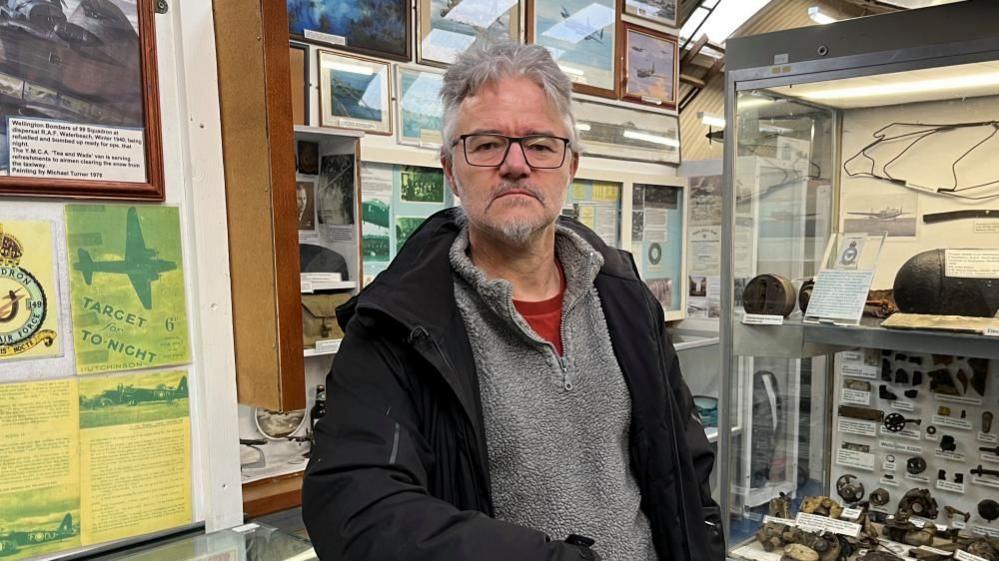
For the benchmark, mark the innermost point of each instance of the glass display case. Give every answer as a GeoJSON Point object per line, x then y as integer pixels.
{"type": "Point", "coordinates": [249, 542]}
{"type": "Point", "coordinates": [860, 266]}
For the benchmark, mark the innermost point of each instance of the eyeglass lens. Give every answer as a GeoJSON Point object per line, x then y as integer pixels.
{"type": "Point", "coordinates": [490, 150]}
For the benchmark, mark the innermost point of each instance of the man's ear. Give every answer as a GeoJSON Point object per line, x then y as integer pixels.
{"type": "Point", "coordinates": [573, 165]}
{"type": "Point", "coordinates": [446, 163]}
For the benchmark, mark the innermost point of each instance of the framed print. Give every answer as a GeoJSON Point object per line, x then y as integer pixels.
{"type": "Point", "coordinates": [448, 27]}
{"type": "Point", "coordinates": [663, 12]}
{"type": "Point", "coordinates": [370, 27]}
{"type": "Point", "coordinates": [79, 100]}
{"type": "Point", "coordinates": [651, 66]}
{"type": "Point", "coordinates": [354, 93]}
{"type": "Point", "coordinates": [610, 130]}
{"type": "Point", "coordinates": [581, 36]}
{"type": "Point", "coordinates": [419, 106]}
{"type": "Point", "coordinates": [298, 54]}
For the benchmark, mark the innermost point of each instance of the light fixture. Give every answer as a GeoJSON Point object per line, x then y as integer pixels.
{"type": "Point", "coordinates": [582, 127]}
{"type": "Point", "coordinates": [920, 86]}
{"type": "Point", "coordinates": [818, 17]}
{"type": "Point", "coordinates": [653, 138]}
{"type": "Point", "coordinates": [711, 120]}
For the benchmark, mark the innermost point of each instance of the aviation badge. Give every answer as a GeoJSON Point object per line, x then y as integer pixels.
{"type": "Point", "coordinates": [23, 303]}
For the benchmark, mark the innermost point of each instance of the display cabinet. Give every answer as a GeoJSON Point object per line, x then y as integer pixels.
{"type": "Point", "coordinates": [860, 275]}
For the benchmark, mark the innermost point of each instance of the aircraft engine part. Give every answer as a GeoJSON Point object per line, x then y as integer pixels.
{"type": "Point", "coordinates": [988, 509]}
{"type": "Point", "coordinates": [823, 506]}
{"type": "Point", "coordinates": [895, 422]}
{"type": "Point", "coordinates": [805, 294]}
{"type": "Point", "coordinates": [769, 294]}
{"type": "Point", "coordinates": [918, 502]}
{"type": "Point", "coordinates": [987, 422]}
{"type": "Point", "coordinates": [915, 465]}
{"type": "Point", "coordinates": [798, 552]}
{"type": "Point", "coordinates": [923, 287]}
{"type": "Point", "coordinates": [849, 488]}
{"type": "Point", "coordinates": [880, 496]}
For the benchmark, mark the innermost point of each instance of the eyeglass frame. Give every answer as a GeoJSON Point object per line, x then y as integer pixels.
{"type": "Point", "coordinates": [510, 142]}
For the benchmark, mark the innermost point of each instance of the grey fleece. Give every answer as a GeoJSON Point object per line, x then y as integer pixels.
{"type": "Point", "coordinates": [556, 430]}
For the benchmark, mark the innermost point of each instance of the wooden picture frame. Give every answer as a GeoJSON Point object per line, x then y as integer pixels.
{"type": "Point", "coordinates": [575, 39]}
{"type": "Point", "coordinates": [298, 54]}
{"type": "Point", "coordinates": [76, 112]}
{"type": "Point", "coordinates": [445, 28]}
{"type": "Point", "coordinates": [418, 111]}
{"type": "Point", "coordinates": [342, 101]}
{"type": "Point", "coordinates": [662, 12]}
{"type": "Point", "coordinates": [352, 25]}
{"type": "Point", "coordinates": [641, 50]}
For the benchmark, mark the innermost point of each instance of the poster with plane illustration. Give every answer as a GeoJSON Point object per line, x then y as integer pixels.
{"type": "Point", "coordinates": [580, 34]}
{"type": "Point", "coordinates": [126, 286]}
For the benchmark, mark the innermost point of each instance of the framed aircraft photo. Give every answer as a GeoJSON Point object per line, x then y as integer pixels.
{"type": "Point", "coordinates": [449, 27]}
{"type": "Point", "coordinates": [369, 27]}
{"type": "Point", "coordinates": [354, 93]}
{"type": "Point", "coordinates": [612, 129]}
{"type": "Point", "coordinates": [662, 12]}
{"type": "Point", "coordinates": [651, 66]}
{"type": "Point", "coordinates": [79, 100]}
{"type": "Point", "coordinates": [581, 36]}
{"type": "Point", "coordinates": [419, 106]}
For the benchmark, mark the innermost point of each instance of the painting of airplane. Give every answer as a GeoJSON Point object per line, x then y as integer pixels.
{"type": "Point", "coordinates": [887, 213]}
{"type": "Point", "coordinates": [647, 72]}
{"type": "Point", "coordinates": [587, 30]}
{"type": "Point", "coordinates": [12, 541]}
{"type": "Point", "coordinates": [140, 263]}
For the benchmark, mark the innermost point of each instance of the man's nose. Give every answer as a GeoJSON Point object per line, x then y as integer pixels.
{"type": "Point", "coordinates": [515, 166]}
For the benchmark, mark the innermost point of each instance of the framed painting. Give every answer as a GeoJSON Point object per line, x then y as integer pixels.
{"type": "Point", "coordinates": [651, 67]}
{"type": "Point", "coordinates": [419, 106]}
{"type": "Point", "coordinates": [369, 27]}
{"type": "Point", "coordinates": [663, 12]}
{"type": "Point", "coordinates": [80, 118]}
{"type": "Point", "coordinates": [448, 27]}
{"type": "Point", "coordinates": [354, 93]}
{"type": "Point", "coordinates": [613, 130]}
{"type": "Point", "coordinates": [298, 54]}
{"type": "Point", "coordinates": [581, 36]}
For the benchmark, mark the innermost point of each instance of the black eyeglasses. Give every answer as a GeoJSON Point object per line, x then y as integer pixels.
{"type": "Point", "coordinates": [490, 150]}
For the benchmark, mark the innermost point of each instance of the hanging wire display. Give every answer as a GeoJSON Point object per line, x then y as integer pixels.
{"type": "Point", "coordinates": [907, 141]}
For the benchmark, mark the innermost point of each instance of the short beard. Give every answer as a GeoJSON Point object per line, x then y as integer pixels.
{"type": "Point", "coordinates": [516, 233]}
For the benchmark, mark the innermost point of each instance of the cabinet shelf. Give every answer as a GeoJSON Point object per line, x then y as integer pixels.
{"type": "Point", "coordinates": [330, 348]}
{"type": "Point", "coordinates": [308, 287]}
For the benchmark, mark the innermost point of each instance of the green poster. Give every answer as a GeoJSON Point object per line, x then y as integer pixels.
{"type": "Point", "coordinates": [127, 285]}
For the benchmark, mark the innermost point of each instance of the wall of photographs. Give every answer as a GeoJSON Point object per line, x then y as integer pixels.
{"type": "Point", "coordinates": [369, 65]}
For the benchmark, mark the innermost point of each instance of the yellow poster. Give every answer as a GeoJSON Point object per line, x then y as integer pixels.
{"type": "Point", "coordinates": [39, 475]}
{"type": "Point", "coordinates": [29, 308]}
{"type": "Point", "coordinates": [606, 192]}
{"type": "Point", "coordinates": [135, 463]}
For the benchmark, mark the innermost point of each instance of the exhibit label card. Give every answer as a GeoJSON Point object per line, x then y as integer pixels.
{"type": "Point", "coordinates": [29, 304]}
{"type": "Point", "coordinates": [62, 150]}
{"type": "Point", "coordinates": [840, 295]}
{"type": "Point", "coordinates": [135, 464]}
{"type": "Point", "coordinates": [40, 483]}
{"type": "Point", "coordinates": [127, 285]}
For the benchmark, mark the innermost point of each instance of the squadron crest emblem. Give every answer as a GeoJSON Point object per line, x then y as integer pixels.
{"type": "Point", "coordinates": [23, 304]}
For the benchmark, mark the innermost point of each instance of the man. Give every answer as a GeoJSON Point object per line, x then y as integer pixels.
{"type": "Point", "coordinates": [506, 389]}
{"type": "Point", "coordinates": [305, 215]}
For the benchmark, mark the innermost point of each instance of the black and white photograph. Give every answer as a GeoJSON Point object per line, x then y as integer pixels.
{"type": "Point", "coordinates": [305, 203]}
{"type": "Point", "coordinates": [308, 157]}
{"type": "Point", "coordinates": [662, 289]}
{"type": "Point", "coordinates": [895, 214]}
{"type": "Point", "coordinates": [698, 286]}
{"type": "Point", "coordinates": [612, 131]}
{"type": "Point", "coordinates": [335, 199]}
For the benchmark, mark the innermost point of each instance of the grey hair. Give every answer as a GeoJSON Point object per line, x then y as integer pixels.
{"type": "Point", "coordinates": [487, 62]}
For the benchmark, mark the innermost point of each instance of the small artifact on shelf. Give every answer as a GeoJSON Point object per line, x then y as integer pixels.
{"type": "Point", "coordinates": [880, 304]}
{"type": "Point", "coordinates": [994, 450]}
{"type": "Point", "coordinates": [770, 535]}
{"type": "Point", "coordinates": [805, 294]}
{"type": "Point", "coordinates": [897, 528]}
{"type": "Point", "coordinates": [979, 374]}
{"type": "Point", "coordinates": [880, 496]}
{"type": "Point", "coordinates": [901, 376]}
{"type": "Point", "coordinates": [962, 377]}
{"type": "Point", "coordinates": [855, 384]}
{"type": "Point", "coordinates": [982, 547]}
{"type": "Point", "coordinates": [915, 465]}
{"type": "Point", "coordinates": [886, 394]}
{"type": "Point", "coordinates": [911, 394]}
{"type": "Point", "coordinates": [988, 509]}
{"type": "Point", "coordinates": [823, 506]}
{"type": "Point", "coordinates": [987, 422]}
{"type": "Point", "coordinates": [942, 383]}
{"type": "Point", "coordinates": [917, 378]}
{"type": "Point", "coordinates": [979, 471]}
{"type": "Point", "coordinates": [922, 286]}
{"type": "Point", "coordinates": [780, 506]}
{"type": "Point", "coordinates": [849, 488]}
{"type": "Point", "coordinates": [895, 422]}
{"type": "Point", "coordinates": [917, 502]}
{"type": "Point", "coordinates": [948, 443]}
{"type": "Point", "coordinates": [862, 413]}
{"type": "Point", "coordinates": [927, 555]}
{"type": "Point", "coordinates": [874, 555]}
{"type": "Point", "coordinates": [798, 552]}
{"type": "Point", "coordinates": [769, 294]}
{"type": "Point", "coordinates": [952, 512]}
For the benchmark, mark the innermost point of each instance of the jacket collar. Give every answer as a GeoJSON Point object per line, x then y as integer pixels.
{"type": "Point", "coordinates": [417, 289]}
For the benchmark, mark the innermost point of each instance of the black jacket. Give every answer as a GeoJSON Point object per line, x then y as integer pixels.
{"type": "Point", "coordinates": [399, 470]}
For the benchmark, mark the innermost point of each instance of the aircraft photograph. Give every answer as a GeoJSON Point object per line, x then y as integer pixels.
{"type": "Point", "coordinates": [580, 35]}
{"type": "Point", "coordinates": [140, 263]}
{"type": "Point", "coordinates": [876, 214]}
{"type": "Point", "coordinates": [644, 57]}
{"type": "Point", "coordinates": [33, 539]}
{"type": "Point", "coordinates": [137, 398]}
